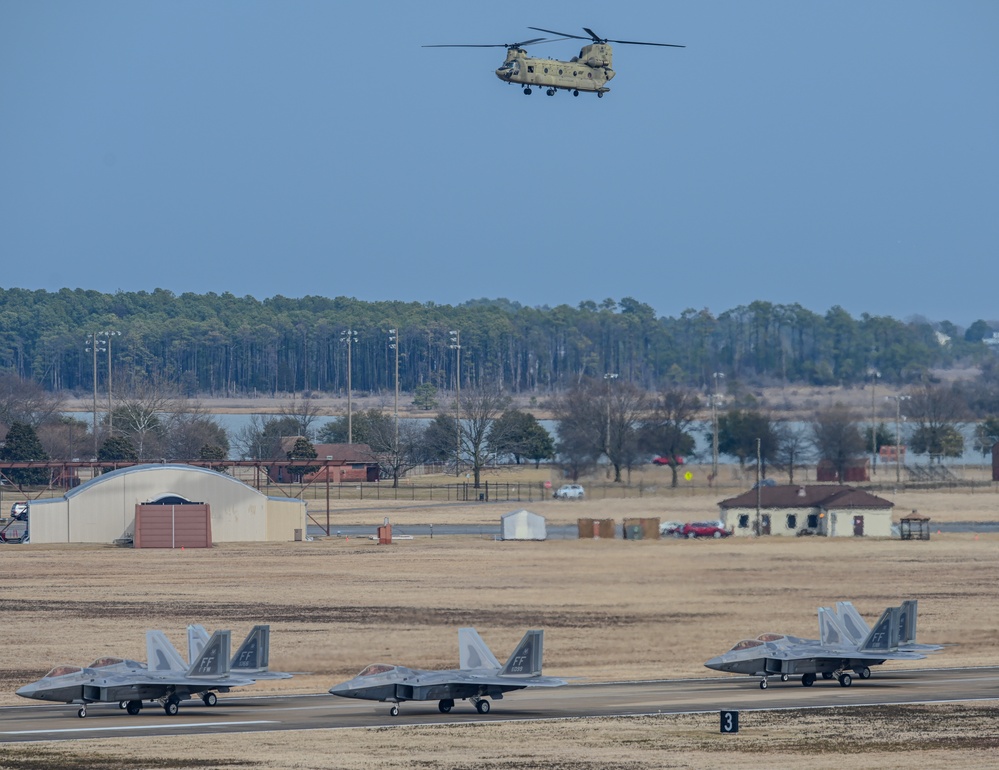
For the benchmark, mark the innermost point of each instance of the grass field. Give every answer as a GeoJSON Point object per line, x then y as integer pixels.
{"type": "Point", "coordinates": [611, 609]}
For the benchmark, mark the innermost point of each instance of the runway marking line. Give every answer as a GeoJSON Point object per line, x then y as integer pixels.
{"type": "Point", "coordinates": [159, 726]}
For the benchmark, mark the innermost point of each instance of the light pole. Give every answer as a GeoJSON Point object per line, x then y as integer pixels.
{"type": "Point", "coordinates": [714, 423]}
{"type": "Point", "coordinates": [95, 344]}
{"type": "Point", "coordinates": [456, 347]}
{"type": "Point", "coordinates": [108, 334]}
{"type": "Point", "coordinates": [394, 345]}
{"type": "Point", "coordinates": [349, 336]}
{"type": "Point", "coordinates": [898, 434]}
{"type": "Point", "coordinates": [607, 439]}
{"type": "Point", "coordinates": [875, 374]}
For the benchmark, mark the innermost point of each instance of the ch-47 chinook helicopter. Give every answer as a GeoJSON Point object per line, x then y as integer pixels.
{"type": "Point", "coordinates": [590, 71]}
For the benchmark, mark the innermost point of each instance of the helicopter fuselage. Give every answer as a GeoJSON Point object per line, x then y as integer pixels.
{"type": "Point", "coordinates": [590, 71]}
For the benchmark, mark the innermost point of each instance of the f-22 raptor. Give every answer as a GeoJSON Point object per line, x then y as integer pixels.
{"type": "Point", "coordinates": [166, 678]}
{"type": "Point", "coordinates": [479, 677]}
{"type": "Point", "coordinates": [837, 652]}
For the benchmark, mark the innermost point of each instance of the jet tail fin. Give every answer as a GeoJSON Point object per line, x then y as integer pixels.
{"type": "Point", "coordinates": [197, 638]}
{"type": "Point", "coordinates": [526, 657]}
{"type": "Point", "coordinates": [853, 622]}
{"type": "Point", "coordinates": [253, 654]}
{"type": "Point", "coordinates": [831, 632]}
{"type": "Point", "coordinates": [884, 635]}
{"type": "Point", "coordinates": [161, 655]}
{"type": "Point", "coordinates": [907, 622]}
{"type": "Point", "coordinates": [473, 652]}
{"type": "Point", "coordinates": [214, 658]}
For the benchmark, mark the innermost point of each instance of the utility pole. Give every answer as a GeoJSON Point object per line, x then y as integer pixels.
{"type": "Point", "coordinates": [898, 435]}
{"type": "Point", "coordinates": [456, 347]}
{"type": "Point", "coordinates": [759, 487]}
{"type": "Point", "coordinates": [108, 334]}
{"type": "Point", "coordinates": [714, 423]}
{"type": "Point", "coordinates": [607, 438]}
{"type": "Point", "coordinates": [875, 374]}
{"type": "Point", "coordinates": [95, 344]}
{"type": "Point", "coordinates": [394, 345]}
{"type": "Point", "coordinates": [349, 336]}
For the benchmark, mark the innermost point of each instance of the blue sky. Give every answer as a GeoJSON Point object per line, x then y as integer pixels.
{"type": "Point", "coordinates": [825, 153]}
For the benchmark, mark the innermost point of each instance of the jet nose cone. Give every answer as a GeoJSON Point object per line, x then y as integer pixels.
{"type": "Point", "coordinates": [715, 663]}
{"type": "Point", "coordinates": [340, 689]}
{"type": "Point", "coordinates": [26, 691]}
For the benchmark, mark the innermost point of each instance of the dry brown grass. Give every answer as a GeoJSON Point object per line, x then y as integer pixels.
{"type": "Point", "coordinates": [611, 609]}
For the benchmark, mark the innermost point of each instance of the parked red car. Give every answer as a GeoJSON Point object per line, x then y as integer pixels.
{"type": "Point", "coordinates": [665, 460]}
{"type": "Point", "coordinates": [704, 529]}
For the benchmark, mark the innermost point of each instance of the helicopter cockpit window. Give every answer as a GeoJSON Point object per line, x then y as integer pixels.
{"type": "Point", "coordinates": [512, 66]}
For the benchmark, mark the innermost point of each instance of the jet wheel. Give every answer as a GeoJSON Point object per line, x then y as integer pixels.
{"type": "Point", "coordinates": [82, 712]}
{"type": "Point", "coordinates": [171, 708]}
{"type": "Point", "coordinates": [445, 706]}
{"type": "Point", "coordinates": [763, 684]}
{"type": "Point", "coordinates": [845, 680]}
{"type": "Point", "coordinates": [807, 680]}
{"type": "Point", "coordinates": [210, 698]}
{"type": "Point", "coordinates": [784, 677]}
{"type": "Point", "coordinates": [394, 711]}
{"type": "Point", "coordinates": [482, 706]}
{"type": "Point", "coordinates": [864, 673]}
{"type": "Point", "coordinates": [122, 704]}
{"type": "Point", "coordinates": [133, 707]}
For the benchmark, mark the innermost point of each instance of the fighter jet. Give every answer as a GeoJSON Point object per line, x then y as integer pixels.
{"type": "Point", "coordinates": [782, 655]}
{"type": "Point", "coordinates": [115, 679]}
{"type": "Point", "coordinates": [251, 660]}
{"type": "Point", "coordinates": [479, 677]}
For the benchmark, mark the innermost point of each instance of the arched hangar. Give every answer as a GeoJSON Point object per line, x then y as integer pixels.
{"type": "Point", "coordinates": [104, 510]}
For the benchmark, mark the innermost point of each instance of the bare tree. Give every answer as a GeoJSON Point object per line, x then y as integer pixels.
{"type": "Point", "coordinates": [937, 413]}
{"type": "Point", "coordinates": [667, 429]}
{"type": "Point", "coordinates": [305, 413]}
{"type": "Point", "coordinates": [837, 437]}
{"type": "Point", "coordinates": [478, 409]}
{"type": "Point", "coordinates": [793, 448]}
{"type": "Point", "coordinates": [26, 401]}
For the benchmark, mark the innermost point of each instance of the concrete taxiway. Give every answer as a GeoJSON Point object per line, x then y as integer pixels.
{"type": "Point", "coordinates": [312, 712]}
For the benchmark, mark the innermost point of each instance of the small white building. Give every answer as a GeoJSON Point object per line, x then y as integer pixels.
{"type": "Point", "coordinates": [832, 510]}
{"type": "Point", "coordinates": [103, 510]}
{"type": "Point", "coordinates": [523, 525]}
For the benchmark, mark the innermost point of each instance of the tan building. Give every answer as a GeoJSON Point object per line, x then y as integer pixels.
{"type": "Point", "coordinates": [815, 509]}
{"type": "Point", "coordinates": [103, 510]}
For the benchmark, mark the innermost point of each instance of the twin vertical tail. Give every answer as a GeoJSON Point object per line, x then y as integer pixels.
{"type": "Point", "coordinates": [907, 621]}
{"type": "Point", "coordinates": [213, 661]}
{"type": "Point", "coordinates": [831, 631]}
{"type": "Point", "coordinates": [886, 632]}
{"type": "Point", "coordinates": [526, 658]}
{"type": "Point", "coordinates": [253, 655]}
{"type": "Point", "coordinates": [473, 652]}
{"type": "Point", "coordinates": [161, 655]}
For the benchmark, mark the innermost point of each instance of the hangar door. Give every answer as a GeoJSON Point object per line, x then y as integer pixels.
{"type": "Point", "coordinates": [173, 525]}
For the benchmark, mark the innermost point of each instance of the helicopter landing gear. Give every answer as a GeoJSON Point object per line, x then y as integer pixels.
{"type": "Point", "coordinates": [550, 92]}
{"type": "Point", "coordinates": [575, 92]}
{"type": "Point", "coordinates": [600, 94]}
{"type": "Point", "coordinates": [527, 91]}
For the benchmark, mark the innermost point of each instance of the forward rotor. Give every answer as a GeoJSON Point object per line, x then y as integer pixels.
{"type": "Point", "coordinates": [593, 36]}
{"type": "Point", "coordinates": [508, 46]}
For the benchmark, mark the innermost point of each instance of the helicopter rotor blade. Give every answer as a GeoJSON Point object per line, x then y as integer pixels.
{"type": "Point", "coordinates": [563, 34]}
{"type": "Point", "coordinates": [597, 39]}
{"type": "Point", "coordinates": [491, 45]}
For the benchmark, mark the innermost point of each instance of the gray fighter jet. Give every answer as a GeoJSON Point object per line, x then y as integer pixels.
{"type": "Point", "coordinates": [833, 656]}
{"type": "Point", "coordinates": [166, 678]}
{"type": "Point", "coordinates": [251, 660]}
{"type": "Point", "coordinates": [479, 677]}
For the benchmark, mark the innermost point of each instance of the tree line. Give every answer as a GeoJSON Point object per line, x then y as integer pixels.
{"type": "Point", "coordinates": [221, 345]}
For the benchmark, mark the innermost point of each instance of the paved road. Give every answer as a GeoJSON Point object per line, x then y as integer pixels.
{"type": "Point", "coordinates": [555, 532]}
{"type": "Point", "coordinates": [302, 712]}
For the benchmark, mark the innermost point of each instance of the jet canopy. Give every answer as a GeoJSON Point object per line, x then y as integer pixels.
{"type": "Point", "coordinates": [376, 668]}
{"type": "Point", "coordinates": [63, 671]}
{"type": "Point", "coordinates": [746, 644]}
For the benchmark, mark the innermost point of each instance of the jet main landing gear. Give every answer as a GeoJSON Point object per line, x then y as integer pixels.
{"type": "Point", "coordinates": [445, 706]}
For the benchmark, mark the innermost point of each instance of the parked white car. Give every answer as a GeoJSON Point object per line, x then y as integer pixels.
{"type": "Point", "coordinates": [670, 528]}
{"type": "Point", "coordinates": [569, 492]}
